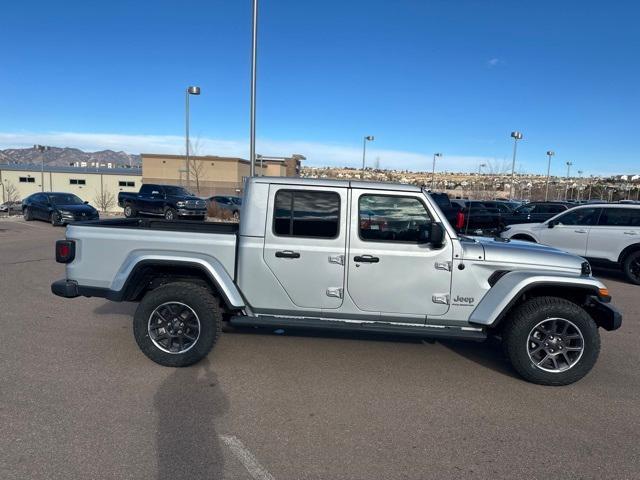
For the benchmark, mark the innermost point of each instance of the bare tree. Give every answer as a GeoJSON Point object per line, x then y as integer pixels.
{"type": "Point", "coordinates": [105, 200]}
{"type": "Point", "coordinates": [197, 168]}
{"type": "Point", "coordinates": [11, 192]}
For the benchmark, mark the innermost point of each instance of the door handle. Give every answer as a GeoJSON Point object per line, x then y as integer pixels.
{"type": "Point", "coordinates": [366, 259]}
{"type": "Point", "coordinates": [580, 231]}
{"type": "Point", "coordinates": [631, 233]}
{"type": "Point", "coordinates": [287, 254]}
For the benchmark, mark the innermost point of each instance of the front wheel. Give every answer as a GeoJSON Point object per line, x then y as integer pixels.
{"type": "Point", "coordinates": [631, 267]}
{"type": "Point", "coordinates": [551, 341]}
{"type": "Point", "coordinates": [177, 325]}
{"type": "Point", "coordinates": [129, 211]}
{"type": "Point", "coordinates": [55, 219]}
{"type": "Point", "coordinates": [170, 214]}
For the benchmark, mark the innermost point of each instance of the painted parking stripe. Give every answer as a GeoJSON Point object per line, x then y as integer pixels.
{"type": "Point", "coordinates": [257, 471]}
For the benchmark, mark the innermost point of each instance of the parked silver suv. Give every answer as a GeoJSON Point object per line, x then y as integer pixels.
{"type": "Point", "coordinates": [341, 255]}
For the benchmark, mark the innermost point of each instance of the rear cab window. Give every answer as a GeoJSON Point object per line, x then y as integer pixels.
{"type": "Point", "coordinates": [306, 213]}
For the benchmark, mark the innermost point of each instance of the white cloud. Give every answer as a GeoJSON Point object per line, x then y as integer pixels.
{"type": "Point", "coordinates": [494, 62]}
{"type": "Point", "coordinates": [317, 153]}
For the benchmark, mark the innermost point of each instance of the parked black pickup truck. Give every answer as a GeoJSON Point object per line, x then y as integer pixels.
{"type": "Point", "coordinates": [469, 216]}
{"type": "Point", "coordinates": [168, 201]}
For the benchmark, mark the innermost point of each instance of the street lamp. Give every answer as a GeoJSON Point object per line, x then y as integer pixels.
{"type": "Point", "coordinates": [433, 170]}
{"type": "Point", "coordinates": [190, 91]}
{"type": "Point", "coordinates": [368, 138]}
{"type": "Point", "coordinates": [41, 149]}
{"type": "Point", "coordinates": [516, 136]}
{"type": "Point", "coordinates": [550, 153]}
{"type": "Point", "coordinates": [480, 167]}
{"type": "Point", "coordinates": [252, 107]}
{"type": "Point", "coordinates": [579, 183]}
{"type": "Point", "coordinates": [566, 189]}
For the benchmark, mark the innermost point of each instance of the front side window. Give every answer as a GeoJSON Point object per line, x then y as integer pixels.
{"type": "Point", "coordinates": [579, 216]}
{"type": "Point", "coordinates": [64, 199]}
{"type": "Point", "coordinates": [620, 217]}
{"type": "Point", "coordinates": [524, 209]}
{"type": "Point", "coordinates": [304, 213]}
{"type": "Point", "coordinates": [388, 218]}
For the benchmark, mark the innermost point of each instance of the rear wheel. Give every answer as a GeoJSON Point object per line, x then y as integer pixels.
{"type": "Point", "coordinates": [236, 215]}
{"type": "Point", "coordinates": [551, 341]}
{"type": "Point", "coordinates": [176, 325]}
{"type": "Point", "coordinates": [631, 267]}
{"type": "Point", "coordinates": [170, 214]}
{"type": "Point", "coordinates": [27, 214]}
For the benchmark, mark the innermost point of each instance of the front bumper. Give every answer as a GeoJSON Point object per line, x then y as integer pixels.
{"type": "Point", "coordinates": [184, 212]}
{"type": "Point", "coordinates": [603, 313]}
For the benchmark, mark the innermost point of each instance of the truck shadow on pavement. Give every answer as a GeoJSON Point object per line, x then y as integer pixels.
{"type": "Point", "coordinates": [188, 404]}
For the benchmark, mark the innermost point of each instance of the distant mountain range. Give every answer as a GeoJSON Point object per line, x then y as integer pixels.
{"type": "Point", "coordinates": [64, 157]}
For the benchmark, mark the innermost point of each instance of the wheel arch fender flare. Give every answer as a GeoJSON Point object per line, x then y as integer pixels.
{"type": "Point", "coordinates": [504, 295]}
{"type": "Point", "coordinates": [208, 265]}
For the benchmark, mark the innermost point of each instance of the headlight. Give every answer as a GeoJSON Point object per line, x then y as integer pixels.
{"type": "Point", "coordinates": [65, 212]}
{"type": "Point", "coordinates": [181, 204]}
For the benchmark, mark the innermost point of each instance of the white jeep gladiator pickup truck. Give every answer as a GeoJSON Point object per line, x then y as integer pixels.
{"type": "Point", "coordinates": [341, 255]}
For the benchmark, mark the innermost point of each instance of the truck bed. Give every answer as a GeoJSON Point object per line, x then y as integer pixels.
{"type": "Point", "coordinates": [107, 250]}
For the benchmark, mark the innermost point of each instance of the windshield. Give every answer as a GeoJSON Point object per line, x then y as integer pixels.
{"type": "Point", "coordinates": [65, 199]}
{"type": "Point", "coordinates": [236, 200]}
{"type": "Point", "coordinates": [176, 191]}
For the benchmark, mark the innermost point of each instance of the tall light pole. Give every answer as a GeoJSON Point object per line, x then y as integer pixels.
{"type": "Point", "coordinates": [188, 92]}
{"type": "Point", "coordinates": [516, 136]}
{"type": "Point", "coordinates": [579, 184]}
{"type": "Point", "coordinates": [480, 167]}
{"type": "Point", "coordinates": [566, 189]}
{"type": "Point", "coordinates": [368, 138]}
{"type": "Point", "coordinates": [41, 149]}
{"type": "Point", "coordinates": [254, 67]}
{"type": "Point", "coordinates": [550, 153]}
{"type": "Point", "coordinates": [433, 170]}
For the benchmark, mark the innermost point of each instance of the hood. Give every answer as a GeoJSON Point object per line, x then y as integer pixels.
{"type": "Point", "coordinates": [528, 253]}
{"type": "Point", "coordinates": [76, 208]}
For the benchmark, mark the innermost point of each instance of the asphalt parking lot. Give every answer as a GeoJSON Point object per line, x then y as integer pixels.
{"type": "Point", "coordinates": [79, 400]}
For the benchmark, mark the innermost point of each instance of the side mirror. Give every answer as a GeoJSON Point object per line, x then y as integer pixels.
{"type": "Point", "coordinates": [551, 224]}
{"type": "Point", "coordinates": [434, 234]}
{"type": "Point", "coordinates": [85, 202]}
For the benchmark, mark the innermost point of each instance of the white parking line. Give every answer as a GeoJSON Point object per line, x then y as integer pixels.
{"type": "Point", "coordinates": [257, 471]}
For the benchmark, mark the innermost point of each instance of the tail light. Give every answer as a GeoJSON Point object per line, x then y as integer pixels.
{"type": "Point", "coordinates": [65, 251]}
{"type": "Point", "coordinates": [459, 221]}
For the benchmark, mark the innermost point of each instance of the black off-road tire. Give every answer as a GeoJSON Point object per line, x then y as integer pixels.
{"type": "Point", "coordinates": [170, 214]}
{"type": "Point", "coordinates": [524, 318]}
{"type": "Point", "coordinates": [129, 211]}
{"type": "Point", "coordinates": [27, 215]}
{"type": "Point", "coordinates": [201, 301]}
{"type": "Point", "coordinates": [631, 266]}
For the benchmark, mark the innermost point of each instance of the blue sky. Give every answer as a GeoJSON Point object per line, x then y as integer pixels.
{"type": "Point", "coordinates": [421, 76]}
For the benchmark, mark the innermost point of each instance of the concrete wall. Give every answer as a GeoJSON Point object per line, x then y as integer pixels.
{"type": "Point", "coordinates": [95, 184]}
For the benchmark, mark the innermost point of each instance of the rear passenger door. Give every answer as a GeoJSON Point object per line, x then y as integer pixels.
{"type": "Point", "coordinates": [305, 242]}
{"type": "Point", "coordinates": [617, 228]}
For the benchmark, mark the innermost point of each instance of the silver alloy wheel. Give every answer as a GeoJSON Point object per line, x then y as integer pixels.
{"type": "Point", "coordinates": [555, 345]}
{"type": "Point", "coordinates": [127, 211]}
{"type": "Point", "coordinates": [168, 215]}
{"type": "Point", "coordinates": [174, 327]}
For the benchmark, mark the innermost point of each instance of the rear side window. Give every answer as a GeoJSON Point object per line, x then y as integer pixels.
{"type": "Point", "coordinates": [147, 189]}
{"type": "Point", "coordinates": [304, 213]}
{"type": "Point", "coordinates": [387, 218]}
{"type": "Point", "coordinates": [620, 217]}
{"type": "Point", "coordinates": [556, 208]}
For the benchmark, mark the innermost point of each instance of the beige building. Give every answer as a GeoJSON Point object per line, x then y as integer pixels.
{"type": "Point", "coordinates": [212, 175]}
{"type": "Point", "coordinates": [98, 186]}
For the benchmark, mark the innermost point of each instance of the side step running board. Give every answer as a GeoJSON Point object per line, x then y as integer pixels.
{"type": "Point", "coordinates": [354, 325]}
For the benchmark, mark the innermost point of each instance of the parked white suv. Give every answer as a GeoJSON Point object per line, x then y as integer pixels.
{"type": "Point", "coordinates": [606, 234]}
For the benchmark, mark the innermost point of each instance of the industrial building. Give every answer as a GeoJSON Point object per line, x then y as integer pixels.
{"type": "Point", "coordinates": [212, 175]}
{"type": "Point", "coordinates": [98, 186]}
{"type": "Point", "coordinates": [208, 176]}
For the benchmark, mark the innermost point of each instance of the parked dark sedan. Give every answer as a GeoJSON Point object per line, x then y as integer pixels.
{"type": "Point", "coordinates": [535, 212]}
{"type": "Point", "coordinates": [57, 208]}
